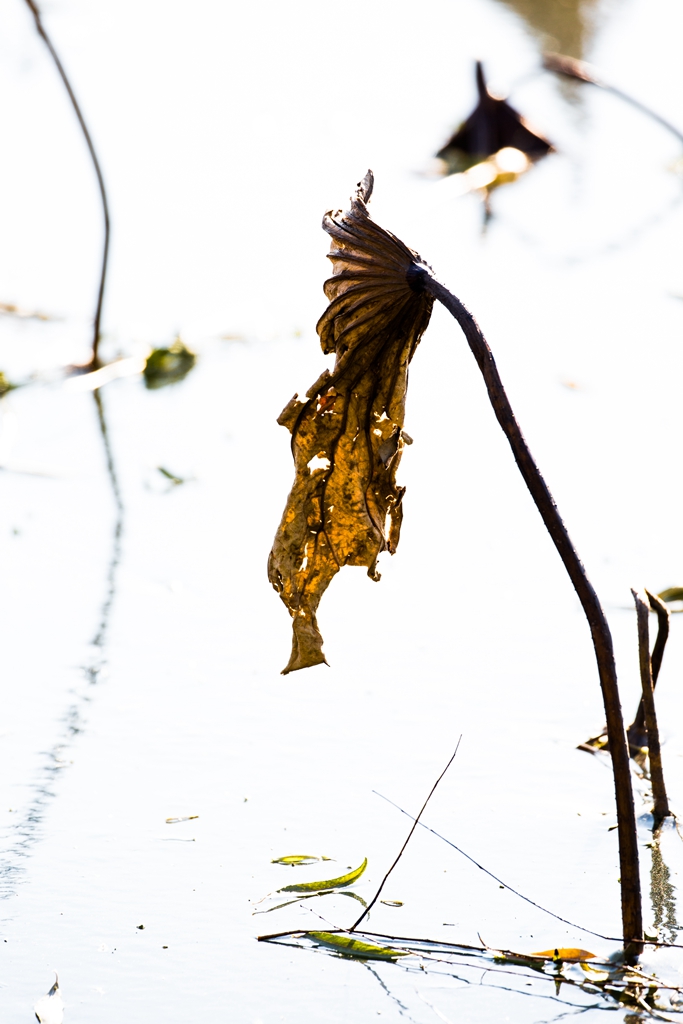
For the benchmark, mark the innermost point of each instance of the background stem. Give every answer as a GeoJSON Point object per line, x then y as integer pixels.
{"type": "Point", "coordinates": [631, 906]}
{"type": "Point", "coordinates": [661, 803]}
{"type": "Point", "coordinates": [94, 360]}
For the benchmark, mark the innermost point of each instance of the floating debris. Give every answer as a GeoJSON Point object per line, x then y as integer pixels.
{"type": "Point", "coordinates": [6, 385]}
{"type": "Point", "coordinates": [175, 480]}
{"type": "Point", "coordinates": [9, 309]}
{"type": "Point", "coordinates": [298, 859]}
{"type": "Point", "coordinates": [168, 365]}
{"type": "Point", "coordinates": [174, 821]}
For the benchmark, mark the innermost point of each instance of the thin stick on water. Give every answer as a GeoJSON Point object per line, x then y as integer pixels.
{"type": "Point", "coordinates": [661, 802]}
{"type": "Point", "coordinates": [636, 732]}
{"type": "Point", "coordinates": [501, 882]}
{"type": "Point", "coordinates": [400, 854]}
{"type": "Point", "coordinates": [583, 72]}
{"type": "Point", "coordinates": [95, 360]}
{"type": "Point", "coordinates": [420, 277]}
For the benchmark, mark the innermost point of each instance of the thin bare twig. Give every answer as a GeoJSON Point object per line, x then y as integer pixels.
{"type": "Point", "coordinates": [94, 361]}
{"type": "Point", "coordinates": [515, 892]}
{"type": "Point", "coordinates": [583, 72]}
{"type": "Point", "coordinates": [400, 854]}
{"type": "Point", "coordinates": [631, 904]}
{"type": "Point", "coordinates": [661, 803]}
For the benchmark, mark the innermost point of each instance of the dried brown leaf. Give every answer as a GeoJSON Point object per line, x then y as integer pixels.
{"type": "Point", "coordinates": [347, 435]}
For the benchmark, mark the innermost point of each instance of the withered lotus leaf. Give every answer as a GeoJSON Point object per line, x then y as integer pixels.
{"type": "Point", "coordinates": [347, 435]}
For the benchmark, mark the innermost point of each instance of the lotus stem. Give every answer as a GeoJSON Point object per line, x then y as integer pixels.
{"type": "Point", "coordinates": [94, 359]}
{"type": "Point", "coordinates": [631, 905]}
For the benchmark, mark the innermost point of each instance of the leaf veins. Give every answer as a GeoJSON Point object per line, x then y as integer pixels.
{"type": "Point", "coordinates": [347, 435]}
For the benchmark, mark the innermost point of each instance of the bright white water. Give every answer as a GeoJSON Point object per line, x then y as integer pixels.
{"type": "Point", "coordinates": [224, 133]}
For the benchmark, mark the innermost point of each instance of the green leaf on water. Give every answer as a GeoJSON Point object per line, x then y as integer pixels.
{"type": "Point", "coordinates": [297, 859]}
{"type": "Point", "coordinates": [671, 594]}
{"type": "Point", "coordinates": [348, 946]}
{"type": "Point", "coordinates": [329, 883]}
{"type": "Point", "coordinates": [168, 365]}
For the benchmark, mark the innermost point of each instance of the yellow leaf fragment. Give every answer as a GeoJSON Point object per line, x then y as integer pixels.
{"type": "Point", "coordinates": [298, 859]}
{"type": "Point", "coordinates": [347, 434]}
{"type": "Point", "coordinates": [347, 946]}
{"type": "Point", "coordinates": [330, 883]}
{"type": "Point", "coordinates": [569, 955]}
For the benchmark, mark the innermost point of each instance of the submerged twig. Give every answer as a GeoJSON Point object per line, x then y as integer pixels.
{"type": "Point", "coordinates": [636, 732]}
{"type": "Point", "coordinates": [400, 853]}
{"type": "Point", "coordinates": [94, 361]}
{"type": "Point", "coordinates": [583, 72]}
{"type": "Point", "coordinates": [661, 803]}
{"type": "Point", "coordinates": [421, 277]}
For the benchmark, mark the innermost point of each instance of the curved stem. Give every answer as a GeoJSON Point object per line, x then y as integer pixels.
{"type": "Point", "coordinates": [631, 906]}
{"type": "Point", "coordinates": [583, 72]}
{"type": "Point", "coordinates": [94, 361]}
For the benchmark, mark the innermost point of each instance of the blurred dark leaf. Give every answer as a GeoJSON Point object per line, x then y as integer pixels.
{"type": "Point", "coordinates": [347, 435]}
{"type": "Point", "coordinates": [494, 125]}
{"type": "Point", "coordinates": [168, 365]}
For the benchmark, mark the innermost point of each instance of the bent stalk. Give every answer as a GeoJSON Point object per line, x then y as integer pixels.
{"type": "Point", "coordinates": [631, 906]}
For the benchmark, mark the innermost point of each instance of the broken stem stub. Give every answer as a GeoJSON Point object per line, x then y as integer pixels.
{"type": "Point", "coordinates": [661, 802]}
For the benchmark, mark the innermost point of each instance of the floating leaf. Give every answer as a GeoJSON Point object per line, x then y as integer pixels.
{"type": "Point", "coordinates": [168, 365]}
{"type": "Point", "coordinates": [330, 883]}
{"type": "Point", "coordinates": [50, 1009]}
{"type": "Point", "coordinates": [347, 435]}
{"type": "Point", "coordinates": [392, 903]}
{"type": "Point", "coordinates": [671, 594]}
{"type": "Point", "coordinates": [570, 955]}
{"type": "Point", "coordinates": [296, 859]}
{"type": "Point", "coordinates": [348, 946]}
{"type": "Point", "coordinates": [175, 480]}
{"type": "Point", "coordinates": [174, 821]}
{"type": "Point", "coordinates": [494, 125]}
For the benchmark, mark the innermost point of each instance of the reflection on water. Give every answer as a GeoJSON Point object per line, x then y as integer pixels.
{"type": "Point", "coordinates": [27, 831]}
{"type": "Point", "coordinates": [662, 896]}
{"type": "Point", "coordinates": [565, 26]}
